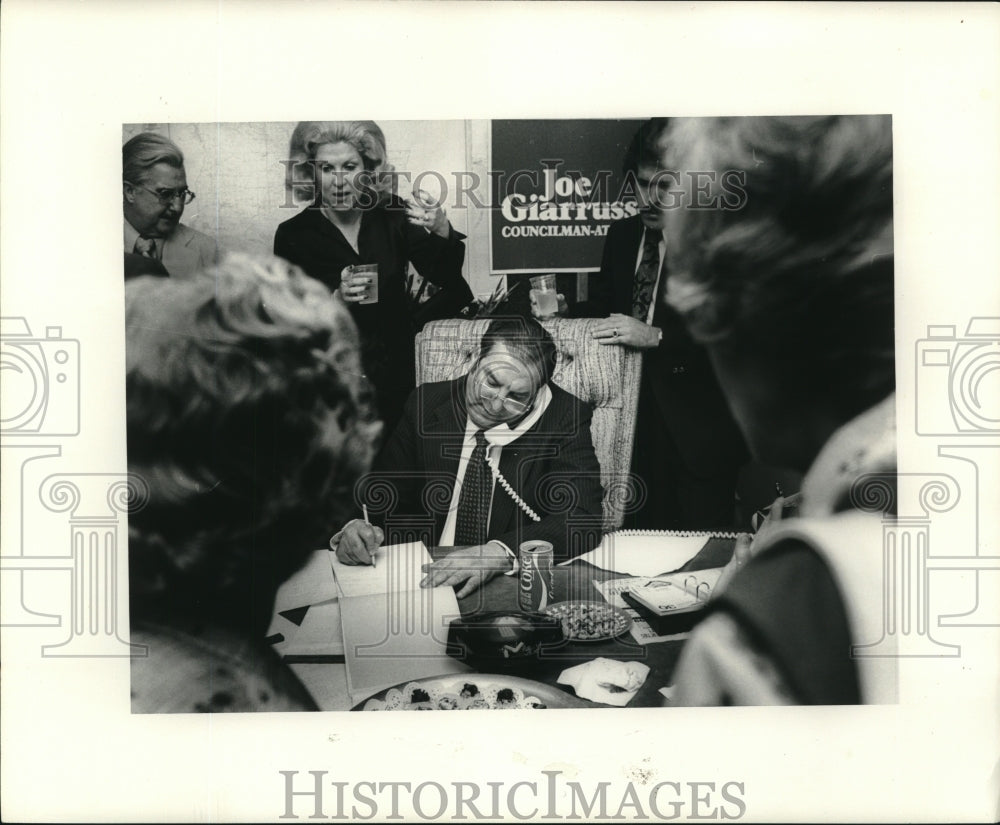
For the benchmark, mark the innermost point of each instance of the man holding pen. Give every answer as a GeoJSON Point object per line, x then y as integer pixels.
{"type": "Point", "coordinates": [483, 463]}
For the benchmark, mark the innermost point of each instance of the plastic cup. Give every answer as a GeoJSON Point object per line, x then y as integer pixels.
{"type": "Point", "coordinates": [544, 299]}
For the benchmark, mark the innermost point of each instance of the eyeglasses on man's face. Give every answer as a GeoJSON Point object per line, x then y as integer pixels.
{"type": "Point", "coordinates": [491, 393]}
{"type": "Point", "coordinates": [167, 196]}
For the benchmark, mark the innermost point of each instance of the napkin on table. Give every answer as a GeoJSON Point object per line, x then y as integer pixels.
{"type": "Point", "coordinates": [606, 680]}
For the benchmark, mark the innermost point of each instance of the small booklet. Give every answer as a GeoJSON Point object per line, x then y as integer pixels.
{"type": "Point", "coordinates": [672, 603]}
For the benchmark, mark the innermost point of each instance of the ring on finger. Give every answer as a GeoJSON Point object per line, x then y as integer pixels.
{"type": "Point", "coordinates": [614, 332]}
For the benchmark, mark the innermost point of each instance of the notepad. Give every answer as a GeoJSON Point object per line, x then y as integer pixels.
{"type": "Point", "coordinates": [394, 630]}
{"type": "Point", "coordinates": [398, 567]}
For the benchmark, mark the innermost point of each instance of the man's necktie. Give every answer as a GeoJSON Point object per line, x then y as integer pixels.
{"type": "Point", "coordinates": [474, 499]}
{"type": "Point", "coordinates": [145, 247]}
{"type": "Point", "coordinates": [645, 277]}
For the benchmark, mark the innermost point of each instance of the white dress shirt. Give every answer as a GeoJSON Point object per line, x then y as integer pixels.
{"type": "Point", "coordinates": [497, 438]}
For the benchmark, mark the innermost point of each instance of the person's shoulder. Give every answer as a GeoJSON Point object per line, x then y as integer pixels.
{"type": "Point", "coordinates": [188, 236]}
{"type": "Point", "coordinates": [631, 225]}
{"type": "Point", "coordinates": [563, 402]}
{"type": "Point", "coordinates": [210, 670]}
{"type": "Point", "coordinates": [434, 392]}
{"type": "Point", "coordinates": [432, 395]}
{"type": "Point", "coordinates": [301, 219]}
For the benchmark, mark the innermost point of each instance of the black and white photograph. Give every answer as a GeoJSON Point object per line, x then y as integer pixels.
{"type": "Point", "coordinates": [652, 402]}
{"type": "Point", "coordinates": [582, 469]}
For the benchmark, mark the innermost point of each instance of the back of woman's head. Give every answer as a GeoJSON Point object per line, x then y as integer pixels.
{"type": "Point", "coordinates": [364, 136]}
{"type": "Point", "coordinates": [248, 424]}
{"type": "Point", "coordinates": [791, 264]}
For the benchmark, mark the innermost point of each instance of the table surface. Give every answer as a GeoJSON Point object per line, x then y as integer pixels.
{"type": "Point", "coordinates": [573, 582]}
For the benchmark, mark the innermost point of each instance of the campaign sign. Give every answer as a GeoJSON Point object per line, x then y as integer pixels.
{"type": "Point", "coordinates": [557, 185]}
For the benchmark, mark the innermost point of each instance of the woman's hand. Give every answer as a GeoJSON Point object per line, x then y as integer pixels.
{"type": "Point", "coordinates": [351, 291]}
{"type": "Point", "coordinates": [357, 542]}
{"type": "Point", "coordinates": [424, 211]}
{"type": "Point", "coordinates": [470, 567]}
{"type": "Point", "coordinates": [624, 330]}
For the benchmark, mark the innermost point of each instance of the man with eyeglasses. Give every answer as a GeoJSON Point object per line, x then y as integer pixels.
{"type": "Point", "coordinates": [154, 194]}
{"type": "Point", "coordinates": [495, 458]}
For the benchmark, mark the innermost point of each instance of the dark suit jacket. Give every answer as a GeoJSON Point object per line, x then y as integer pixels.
{"type": "Point", "coordinates": [138, 265]}
{"type": "Point", "coordinates": [552, 467]}
{"type": "Point", "coordinates": [678, 372]}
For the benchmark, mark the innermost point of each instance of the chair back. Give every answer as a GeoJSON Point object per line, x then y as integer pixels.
{"type": "Point", "coordinates": [605, 377]}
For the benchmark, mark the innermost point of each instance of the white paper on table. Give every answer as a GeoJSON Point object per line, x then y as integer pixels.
{"type": "Point", "coordinates": [398, 567]}
{"type": "Point", "coordinates": [640, 630]}
{"type": "Point", "coordinates": [320, 633]}
{"type": "Point", "coordinates": [312, 584]}
{"type": "Point", "coordinates": [643, 555]}
{"type": "Point", "coordinates": [394, 630]}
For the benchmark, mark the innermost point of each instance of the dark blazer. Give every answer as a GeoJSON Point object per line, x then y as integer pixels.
{"type": "Point", "coordinates": [387, 238]}
{"type": "Point", "coordinates": [552, 467]}
{"type": "Point", "coordinates": [678, 372]}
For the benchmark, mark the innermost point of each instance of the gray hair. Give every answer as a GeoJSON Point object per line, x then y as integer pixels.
{"type": "Point", "coordinates": [248, 420]}
{"type": "Point", "coordinates": [800, 274]}
{"type": "Point", "coordinates": [144, 151]}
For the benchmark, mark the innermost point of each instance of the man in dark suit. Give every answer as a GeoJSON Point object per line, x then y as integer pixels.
{"type": "Point", "coordinates": [483, 463]}
{"type": "Point", "coordinates": [688, 449]}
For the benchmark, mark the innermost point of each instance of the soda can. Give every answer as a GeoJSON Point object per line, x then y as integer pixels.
{"type": "Point", "coordinates": [535, 591]}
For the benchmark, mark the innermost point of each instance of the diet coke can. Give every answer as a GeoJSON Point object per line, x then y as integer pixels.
{"type": "Point", "coordinates": [535, 591]}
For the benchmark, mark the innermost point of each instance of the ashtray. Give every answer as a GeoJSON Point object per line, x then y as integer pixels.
{"type": "Point", "coordinates": [502, 640]}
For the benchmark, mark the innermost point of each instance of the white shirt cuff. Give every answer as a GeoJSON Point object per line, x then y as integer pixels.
{"type": "Point", "coordinates": [510, 554]}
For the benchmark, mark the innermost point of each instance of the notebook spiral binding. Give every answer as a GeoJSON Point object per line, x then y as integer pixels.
{"type": "Point", "coordinates": [677, 533]}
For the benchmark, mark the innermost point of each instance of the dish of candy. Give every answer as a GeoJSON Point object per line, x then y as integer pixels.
{"type": "Point", "coordinates": [590, 621]}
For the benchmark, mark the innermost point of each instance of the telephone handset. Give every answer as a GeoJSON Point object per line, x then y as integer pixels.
{"type": "Point", "coordinates": [520, 502]}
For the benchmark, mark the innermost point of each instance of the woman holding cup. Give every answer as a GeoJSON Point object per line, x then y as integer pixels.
{"type": "Point", "coordinates": [358, 238]}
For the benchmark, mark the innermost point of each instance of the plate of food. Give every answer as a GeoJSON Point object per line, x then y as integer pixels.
{"type": "Point", "coordinates": [472, 691]}
{"type": "Point", "coordinates": [585, 621]}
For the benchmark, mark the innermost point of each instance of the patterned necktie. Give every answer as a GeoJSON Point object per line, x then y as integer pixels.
{"type": "Point", "coordinates": [474, 499]}
{"type": "Point", "coordinates": [145, 247]}
{"type": "Point", "coordinates": [645, 276]}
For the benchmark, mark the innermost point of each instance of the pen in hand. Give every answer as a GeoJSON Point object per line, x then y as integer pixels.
{"type": "Point", "coordinates": [364, 510]}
